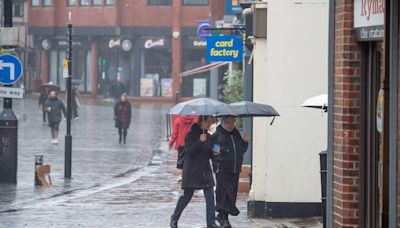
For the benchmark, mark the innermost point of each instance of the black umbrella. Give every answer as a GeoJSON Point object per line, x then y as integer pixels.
{"type": "Point", "coordinates": [50, 86]}
{"type": "Point", "coordinates": [250, 109]}
{"type": "Point", "coordinates": [202, 106]}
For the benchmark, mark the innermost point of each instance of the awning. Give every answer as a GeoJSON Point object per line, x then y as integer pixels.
{"type": "Point", "coordinates": [204, 68]}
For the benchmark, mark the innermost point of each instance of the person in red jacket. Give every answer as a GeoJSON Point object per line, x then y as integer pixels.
{"type": "Point", "coordinates": [181, 126]}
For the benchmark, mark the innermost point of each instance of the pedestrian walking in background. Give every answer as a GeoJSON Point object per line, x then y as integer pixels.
{"type": "Point", "coordinates": [54, 107]}
{"type": "Point", "coordinates": [117, 88]}
{"type": "Point", "coordinates": [75, 102]}
{"type": "Point", "coordinates": [181, 126]}
{"type": "Point", "coordinates": [43, 97]}
{"type": "Point", "coordinates": [122, 117]}
{"type": "Point", "coordinates": [227, 166]}
{"type": "Point", "coordinates": [197, 172]}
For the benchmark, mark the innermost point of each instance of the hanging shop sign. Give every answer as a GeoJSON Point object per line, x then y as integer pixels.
{"type": "Point", "coordinates": [114, 43]}
{"type": "Point", "coordinates": [202, 31]}
{"type": "Point", "coordinates": [369, 20]}
{"type": "Point", "coordinates": [126, 45]}
{"type": "Point", "coordinates": [224, 48]}
{"type": "Point", "coordinates": [46, 44]}
{"type": "Point", "coordinates": [232, 7]}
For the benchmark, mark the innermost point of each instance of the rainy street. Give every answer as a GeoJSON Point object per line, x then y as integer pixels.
{"type": "Point", "coordinates": [113, 185]}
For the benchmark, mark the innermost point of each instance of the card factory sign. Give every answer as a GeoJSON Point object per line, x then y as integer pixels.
{"type": "Point", "coordinates": [369, 19]}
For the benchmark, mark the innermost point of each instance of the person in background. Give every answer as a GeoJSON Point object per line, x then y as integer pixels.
{"type": "Point", "coordinates": [75, 102]}
{"type": "Point", "coordinates": [122, 117]}
{"type": "Point", "coordinates": [117, 88]}
{"type": "Point", "coordinates": [227, 166]}
{"type": "Point", "coordinates": [181, 126]}
{"type": "Point", "coordinates": [54, 107]}
{"type": "Point", "coordinates": [44, 96]}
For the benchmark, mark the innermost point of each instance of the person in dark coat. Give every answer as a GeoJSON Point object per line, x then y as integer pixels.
{"type": "Point", "coordinates": [75, 102]}
{"type": "Point", "coordinates": [227, 166]}
{"type": "Point", "coordinates": [197, 173]}
{"type": "Point", "coordinates": [117, 88]}
{"type": "Point", "coordinates": [54, 107]}
{"type": "Point", "coordinates": [122, 117]}
{"type": "Point", "coordinates": [44, 96]}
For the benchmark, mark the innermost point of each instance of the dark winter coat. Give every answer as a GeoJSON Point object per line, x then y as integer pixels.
{"type": "Point", "coordinates": [117, 89]}
{"type": "Point", "coordinates": [57, 107]}
{"type": "Point", "coordinates": [43, 98]}
{"type": "Point", "coordinates": [232, 150]}
{"type": "Point", "coordinates": [196, 173]}
{"type": "Point", "coordinates": [122, 114]}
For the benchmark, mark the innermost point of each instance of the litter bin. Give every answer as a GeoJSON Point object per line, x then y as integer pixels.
{"type": "Point", "coordinates": [38, 161]}
{"type": "Point", "coordinates": [8, 146]}
{"type": "Point", "coordinates": [323, 172]}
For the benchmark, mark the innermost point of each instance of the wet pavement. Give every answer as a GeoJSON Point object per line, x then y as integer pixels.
{"type": "Point", "coordinates": [133, 185]}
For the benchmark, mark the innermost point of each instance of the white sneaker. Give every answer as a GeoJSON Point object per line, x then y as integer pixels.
{"type": "Point", "coordinates": [55, 141]}
{"type": "Point", "coordinates": [76, 118]}
{"type": "Point", "coordinates": [52, 141]}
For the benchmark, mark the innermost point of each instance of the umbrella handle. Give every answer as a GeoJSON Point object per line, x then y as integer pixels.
{"type": "Point", "coordinates": [272, 121]}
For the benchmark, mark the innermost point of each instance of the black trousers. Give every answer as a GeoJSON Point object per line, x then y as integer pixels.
{"type": "Point", "coordinates": [122, 131]}
{"type": "Point", "coordinates": [226, 193]}
{"type": "Point", "coordinates": [44, 115]}
{"type": "Point", "coordinates": [187, 196]}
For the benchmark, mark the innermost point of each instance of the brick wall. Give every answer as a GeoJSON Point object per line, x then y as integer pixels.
{"type": "Point", "coordinates": [124, 14]}
{"type": "Point", "coordinates": [347, 93]}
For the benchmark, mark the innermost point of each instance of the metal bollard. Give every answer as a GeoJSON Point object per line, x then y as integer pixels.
{"type": "Point", "coordinates": [323, 171]}
{"type": "Point", "coordinates": [38, 161]}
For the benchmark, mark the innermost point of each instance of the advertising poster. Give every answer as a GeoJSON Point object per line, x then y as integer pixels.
{"type": "Point", "coordinates": [166, 87]}
{"type": "Point", "coordinates": [199, 87]}
{"type": "Point", "coordinates": [146, 87]}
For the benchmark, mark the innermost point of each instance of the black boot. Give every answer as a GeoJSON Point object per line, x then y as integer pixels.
{"type": "Point", "coordinates": [220, 219]}
{"type": "Point", "coordinates": [173, 223]}
{"type": "Point", "coordinates": [213, 226]}
{"type": "Point", "coordinates": [227, 223]}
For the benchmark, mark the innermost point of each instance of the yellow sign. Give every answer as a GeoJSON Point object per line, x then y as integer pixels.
{"type": "Point", "coordinates": [65, 69]}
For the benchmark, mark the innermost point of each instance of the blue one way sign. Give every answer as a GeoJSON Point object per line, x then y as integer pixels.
{"type": "Point", "coordinates": [10, 69]}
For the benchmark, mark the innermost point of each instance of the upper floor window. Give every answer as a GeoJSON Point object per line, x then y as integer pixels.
{"type": "Point", "coordinates": [195, 2]}
{"type": "Point", "coordinates": [47, 2]}
{"type": "Point", "coordinates": [159, 2]}
{"type": "Point", "coordinates": [97, 2]}
{"type": "Point", "coordinates": [35, 3]}
{"type": "Point", "coordinates": [18, 8]}
{"type": "Point", "coordinates": [110, 2]}
{"type": "Point", "coordinates": [85, 2]}
{"type": "Point", "coordinates": [71, 2]}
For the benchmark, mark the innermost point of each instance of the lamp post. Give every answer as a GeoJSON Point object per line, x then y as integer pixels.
{"type": "Point", "coordinates": [68, 136]}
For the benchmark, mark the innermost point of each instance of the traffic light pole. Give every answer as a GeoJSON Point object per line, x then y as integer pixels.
{"type": "Point", "coordinates": [68, 137]}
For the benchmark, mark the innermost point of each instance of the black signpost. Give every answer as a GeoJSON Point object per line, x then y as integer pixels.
{"type": "Point", "coordinates": [8, 123]}
{"type": "Point", "coordinates": [68, 136]}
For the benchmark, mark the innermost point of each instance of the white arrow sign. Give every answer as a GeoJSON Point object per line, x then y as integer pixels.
{"type": "Point", "coordinates": [9, 65]}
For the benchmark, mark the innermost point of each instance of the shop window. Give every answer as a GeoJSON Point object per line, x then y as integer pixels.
{"type": "Point", "coordinates": [159, 2]}
{"type": "Point", "coordinates": [110, 2]}
{"type": "Point", "coordinates": [35, 2]}
{"type": "Point", "coordinates": [85, 3]}
{"type": "Point", "coordinates": [71, 2]}
{"type": "Point", "coordinates": [47, 3]}
{"type": "Point", "coordinates": [18, 8]}
{"type": "Point", "coordinates": [195, 2]}
{"type": "Point", "coordinates": [97, 2]}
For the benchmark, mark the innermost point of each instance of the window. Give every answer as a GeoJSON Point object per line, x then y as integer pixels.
{"type": "Point", "coordinates": [110, 2]}
{"type": "Point", "coordinates": [35, 2]}
{"type": "Point", "coordinates": [195, 2]}
{"type": "Point", "coordinates": [159, 2]}
{"type": "Point", "coordinates": [97, 2]}
{"type": "Point", "coordinates": [47, 2]}
{"type": "Point", "coordinates": [18, 8]}
{"type": "Point", "coordinates": [85, 2]}
{"type": "Point", "coordinates": [71, 2]}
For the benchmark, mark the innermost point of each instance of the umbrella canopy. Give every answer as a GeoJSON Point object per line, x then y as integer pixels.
{"type": "Point", "coordinates": [320, 102]}
{"type": "Point", "coordinates": [50, 86]}
{"type": "Point", "coordinates": [202, 106]}
{"type": "Point", "coordinates": [250, 109]}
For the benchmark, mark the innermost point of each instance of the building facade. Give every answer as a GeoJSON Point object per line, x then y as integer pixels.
{"type": "Point", "coordinates": [290, 64]}
{"type": "Point", "coordinates": [147, 42]}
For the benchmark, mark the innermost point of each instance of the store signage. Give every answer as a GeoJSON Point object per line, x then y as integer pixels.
{"type": "Point", "coordinates": [126, 45]}
{"type": "Point", "coordinates": [150, 43]}
{"type": "Point", "coordinates": [112, 43]}
{"type": "Point", "coordinates": [224, 48]}
{"type": "Point", "coordinates": [9, 92]}
{"type": "Point", "coordinates": [46, 44]}
{"type": "Point", "coordinates": [65, 43]}
{"type": "Point", "coordinates": [201, 30]}
{"type": "Point", "coordinates": [369, 19]}
{"type": "Point", "coordinates": [199, 43]}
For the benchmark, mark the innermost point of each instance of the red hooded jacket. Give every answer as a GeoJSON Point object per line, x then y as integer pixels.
{"type": "Point", "coordinates": [181, 126]}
